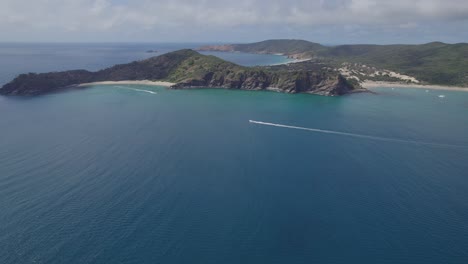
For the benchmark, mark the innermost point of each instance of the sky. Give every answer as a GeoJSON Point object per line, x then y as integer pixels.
{"type": "Point", "coordinates": [234, 21]}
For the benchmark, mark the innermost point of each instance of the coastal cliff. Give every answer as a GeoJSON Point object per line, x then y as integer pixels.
{"type": "Point", "coordinates": [188, 69]}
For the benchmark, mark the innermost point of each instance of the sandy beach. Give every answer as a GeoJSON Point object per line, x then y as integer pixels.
{"type": "Point", "coordinates": [141, 82]}
{"type": "Point", "coordinates": [298, 60]}
{"type": "Point", "coordinates": [289, 62]}
{"type": "Point", "coordinates": [372, 84]}
{"type": "Point", "coordinates": [365, 84]}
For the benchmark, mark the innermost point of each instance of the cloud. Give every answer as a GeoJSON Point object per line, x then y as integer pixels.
{"type": "Point", "coordinates": [109, 18]}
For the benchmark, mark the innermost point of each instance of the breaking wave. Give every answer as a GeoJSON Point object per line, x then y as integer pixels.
{"type": "Point", "coordinates": [134, 89]}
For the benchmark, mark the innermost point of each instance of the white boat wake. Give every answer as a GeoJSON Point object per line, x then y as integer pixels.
{"type": "Point", "coordinates": [138, 90]}
{"type": "Point", "coordinates": [356, 135]}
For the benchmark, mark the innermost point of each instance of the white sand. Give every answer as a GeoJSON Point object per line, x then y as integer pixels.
{"type": "Point", "coordinates": [142, 82]}
{"type": "Point", "coordinates": [372, 84]}
{"type": "Point", "coordinates": [299, 60]}
{"type": "Point", "coordinates": [288, 62]}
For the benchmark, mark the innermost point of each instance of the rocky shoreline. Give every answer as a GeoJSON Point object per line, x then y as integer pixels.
{"type": "Point", "coordinates": [189, 69]}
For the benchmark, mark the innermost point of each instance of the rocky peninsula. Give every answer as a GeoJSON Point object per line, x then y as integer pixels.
{"type": "Point", "coordinates": [190, 69]}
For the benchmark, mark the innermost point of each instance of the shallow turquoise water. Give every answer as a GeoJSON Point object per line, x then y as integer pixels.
{"type": "Point", "coordinates": [114, 175]}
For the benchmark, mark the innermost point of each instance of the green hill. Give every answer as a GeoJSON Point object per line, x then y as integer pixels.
{"type": "Point", "coordinates": [187, 68]}
{"type": "Point", "coordinates": [283, 46]}
{"type": "Point", "coordinates": [431, 63]}
{"type": "Point", "coordinates": [434, 63]}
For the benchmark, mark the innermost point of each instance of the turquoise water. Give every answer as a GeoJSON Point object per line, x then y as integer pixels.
{"type": "Point", "coordinates": [114, 175]}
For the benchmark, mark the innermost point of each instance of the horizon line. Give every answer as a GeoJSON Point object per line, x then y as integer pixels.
{"type": "Point", "coordinates": [217, 42]}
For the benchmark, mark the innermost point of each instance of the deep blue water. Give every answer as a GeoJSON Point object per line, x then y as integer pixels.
{"type": "Point", "coordinates": [114, 175]}
{"type": "Point", "coordinates": [19, 58]}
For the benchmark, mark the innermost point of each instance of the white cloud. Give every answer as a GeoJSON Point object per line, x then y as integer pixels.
{"type": "Point", "coordinates": [111, 17]}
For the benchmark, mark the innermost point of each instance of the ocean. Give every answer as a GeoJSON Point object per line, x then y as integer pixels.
{"type": "Point", "coordinates": [143, 174]}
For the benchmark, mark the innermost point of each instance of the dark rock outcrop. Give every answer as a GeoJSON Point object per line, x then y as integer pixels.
{"type": "Point", "coordinates": [306, 82]}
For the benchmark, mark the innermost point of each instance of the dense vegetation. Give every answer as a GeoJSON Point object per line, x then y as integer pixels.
{"type": "Point", "coordinates": [187, 68]}
{"type": "Point", "coordinates": [282, 46]}
{"type": "Point", "coordinates": [432, 63]}
{"type": "Point", "coordinates": [436, 62]}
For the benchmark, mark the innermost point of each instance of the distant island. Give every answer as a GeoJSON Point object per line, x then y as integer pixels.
{"type": "Point", "coordinates": [190, 69]}
{"type": "Point", "coordinates": [434, 63]}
